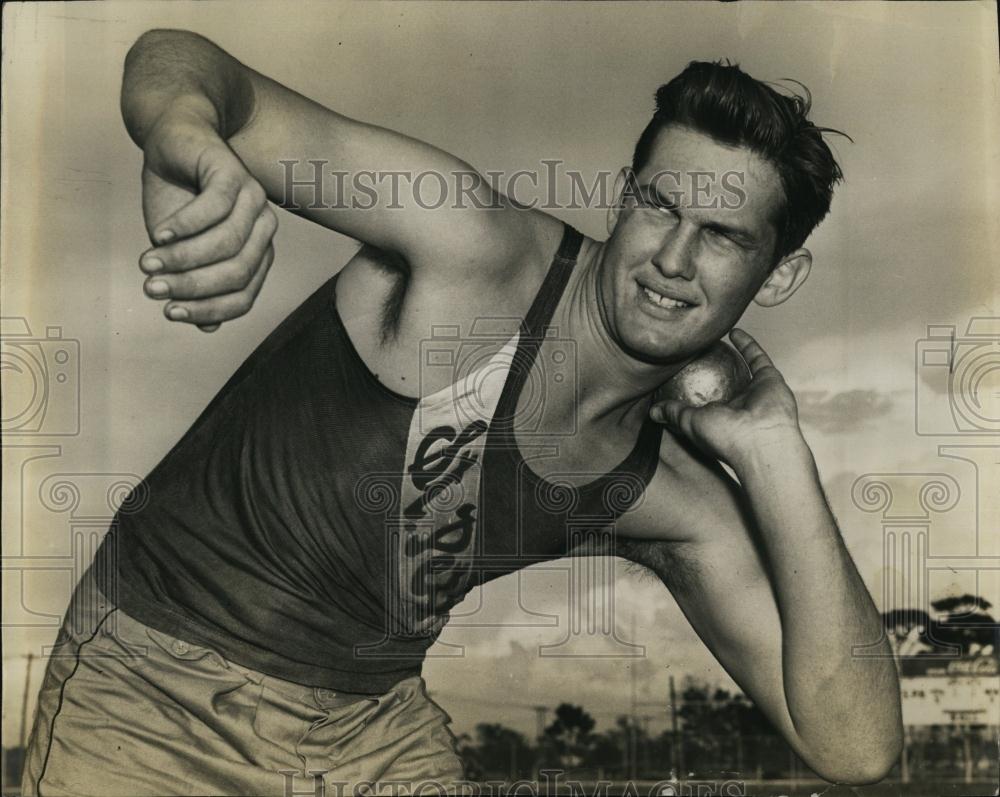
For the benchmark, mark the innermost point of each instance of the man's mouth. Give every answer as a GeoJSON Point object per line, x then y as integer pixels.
{"type": "Point", "coordinates": [664, 301]}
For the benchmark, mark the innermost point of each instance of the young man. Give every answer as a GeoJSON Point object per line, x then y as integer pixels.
{"type": "Point", "coordinates": [262, 604]}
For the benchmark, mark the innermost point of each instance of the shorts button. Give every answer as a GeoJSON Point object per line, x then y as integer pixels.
{"type": "Point", "coordinates": [180, 647]}
{"type": "Point", "coordinates": [324, 694]}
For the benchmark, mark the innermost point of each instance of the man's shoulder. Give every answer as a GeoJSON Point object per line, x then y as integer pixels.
{"type": "Point", "coordinates": [501, 276]}
{"type": "Point", "coordinates": [511, 251]}
{"type": "Point", "coordinates": [507, 261]}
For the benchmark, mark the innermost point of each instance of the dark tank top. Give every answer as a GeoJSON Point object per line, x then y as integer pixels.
{"type": "Point", "coordinates": [317, 526]}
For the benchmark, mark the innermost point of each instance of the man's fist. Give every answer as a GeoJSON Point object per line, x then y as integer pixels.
{"type": "Point", "coordinates": [209, 221]}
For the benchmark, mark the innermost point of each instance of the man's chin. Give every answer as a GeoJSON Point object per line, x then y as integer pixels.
{"type": "Point", "coordinates": [671, 353]}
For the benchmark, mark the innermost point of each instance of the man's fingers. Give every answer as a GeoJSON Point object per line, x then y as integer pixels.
{"type": "Point", "coordinates": [754, 356]}
{"type": "Point", "coordinates": [212, 204]}
{"type": "Point", "coordinates": [211, 228]}
{"type": "Point", "coordinates": [206, 312]}
{"type": "Point", "coordinates": [672, 413]}
{"type": "Point", "coordinates": [220, 242]}
{"type": "Point", "coordinates": [222, 180]}
{"type": "Point", "coordinates": [226, 276]}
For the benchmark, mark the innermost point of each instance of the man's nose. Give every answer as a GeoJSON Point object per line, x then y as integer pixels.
{"type": "Point", "coordinates": [676, 255]}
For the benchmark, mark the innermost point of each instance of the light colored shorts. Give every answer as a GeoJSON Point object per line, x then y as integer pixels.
{"type": "Point", "coordinates": [125, 709]}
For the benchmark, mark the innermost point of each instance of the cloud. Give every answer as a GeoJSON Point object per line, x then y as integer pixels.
{"type": "Point", "coordinates": [506, 671]}
{"type": "Point", "coordinates": [844, 411]}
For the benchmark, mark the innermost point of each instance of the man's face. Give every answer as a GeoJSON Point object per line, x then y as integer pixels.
{"type": "Point", "coordinates": [688, 253]}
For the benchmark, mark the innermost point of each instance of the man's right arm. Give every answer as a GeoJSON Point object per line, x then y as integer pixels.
{"type": "Point", "coordinates": [220, 130]}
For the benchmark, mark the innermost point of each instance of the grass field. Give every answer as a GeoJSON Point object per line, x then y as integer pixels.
{"type": "Point", "coordinates": [802, 788]}
{"type": "Point", "coordinates": [750, 789]}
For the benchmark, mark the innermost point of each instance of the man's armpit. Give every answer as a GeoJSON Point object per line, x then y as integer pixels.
{"type": "Point", "coordinates": [392, 307]}
{"type": "Point", "coordinates": [665, 560]}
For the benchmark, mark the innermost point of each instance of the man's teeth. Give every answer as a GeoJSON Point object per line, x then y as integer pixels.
{"type": "Point", "coordinates": [663, 301]}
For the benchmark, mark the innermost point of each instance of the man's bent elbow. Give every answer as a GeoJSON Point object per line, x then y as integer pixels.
{"type": "Point", "coordinates": [155, 36]}
{"type": "Point", "coordinates": [862, 768]}
{"type": "Point", "coordinates": [165, 44]}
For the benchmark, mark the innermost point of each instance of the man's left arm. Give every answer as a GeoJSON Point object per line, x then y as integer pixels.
{"type": "Point", "coordinates": [766, 581]}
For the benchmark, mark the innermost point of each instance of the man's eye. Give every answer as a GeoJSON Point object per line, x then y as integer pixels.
{"type": "Point", "coordinates": [656, 204]}
{"type": "Point", "coordinates": [720, 238]}
{"type": "Point", "coordinates": [645, 199]}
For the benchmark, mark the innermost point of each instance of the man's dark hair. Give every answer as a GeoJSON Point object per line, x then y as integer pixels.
{"type": "Point", "coordinates": [724, 102]}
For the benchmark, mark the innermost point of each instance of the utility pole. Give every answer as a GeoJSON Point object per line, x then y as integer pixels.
{"type": "Point", "coordinates": [24, 701]}
{"type": "Point", "coordinates": [645, 743]}
{"type": "Point", "coordinates": [739, 749]}
{"type": "Point", "coordinates": [626, 755]}
{"type": "Point", "coordinates": [541, 716]}
{"type": "Point", "coordinates": [904, 760]}
{"type": "Point", "coordinates": [633, 710]}
{"type": "Point", "coordinates": [966, 753]}
{"type": "Point", "coordinates": [678, 741]}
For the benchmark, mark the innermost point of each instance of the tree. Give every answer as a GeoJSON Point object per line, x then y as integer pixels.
{"type": "Point", "coordinates": [608, 749]}
{"type": "Point", "coordinates": [723, 731]}
{"type": "Point", "coordinates": [469, 754]}
{"type": "Point", "coordinates": [961, 621]}
{"type": "Point", "coordinates": [570, 733]}
{"type": "Point", "coordinates": [964, 621]}
{"type": "Point", "coordinates": [502, 751]}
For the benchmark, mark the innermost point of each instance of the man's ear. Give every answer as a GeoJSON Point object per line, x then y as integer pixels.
{"type": "Point", "coordinates": [622, 181]}
{"type": "Point", "coordinates": [785, 279]}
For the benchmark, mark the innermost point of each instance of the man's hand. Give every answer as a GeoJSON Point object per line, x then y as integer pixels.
{"type": "Point", "coordinates": [209, 221]}
{"type": "Point", "coordinates": [762, 415]}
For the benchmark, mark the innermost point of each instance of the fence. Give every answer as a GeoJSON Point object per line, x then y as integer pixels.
{"type": "Point", "coordinates": [932, 754]}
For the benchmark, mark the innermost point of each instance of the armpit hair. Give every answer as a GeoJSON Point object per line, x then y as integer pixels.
{"type": "Point", "coordinates": [664, 560]}
{"type": "Point", "coordinates": [392, 306]}
{"type": "Point", "coordinates": [658, 559]}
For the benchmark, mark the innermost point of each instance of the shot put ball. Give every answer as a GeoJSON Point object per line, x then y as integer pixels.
{"type": "Point", "coordinates": [717, 375]}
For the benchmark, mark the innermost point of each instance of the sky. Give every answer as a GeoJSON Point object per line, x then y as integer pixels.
{"type": "Point", "coordinates": [912, 242]}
